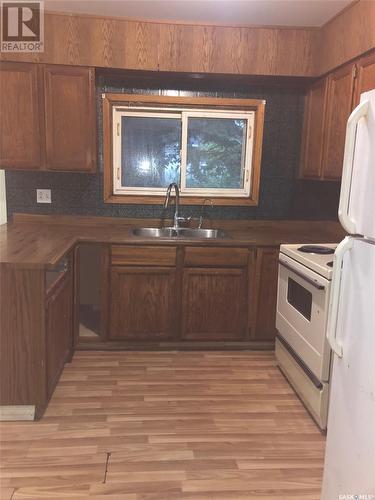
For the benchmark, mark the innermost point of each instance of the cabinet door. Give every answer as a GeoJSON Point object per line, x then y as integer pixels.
{"type": "Point", "coordinates": [59, 341]}
{"type": "Point", "coordinates": [340, 97]}
{"type": "Point", "coordinates": [365, 80]}
{"type": "Point", "coordinates": [143, 303]}
{"type": "Point", "coordinates": [214, 304]}
{"type": "Point", "coordinates": [21, 135]}
{"type": "Point", "coordinates": [313, 127]}
{"type": "Point", "coordinates": [70, 118]}
{"type": "Point", "coordinates": [265, 294]}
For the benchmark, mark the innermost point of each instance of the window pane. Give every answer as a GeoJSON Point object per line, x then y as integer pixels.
{"type": "Point", "coordinates": [215, 153]}
{"type": "Point", "coordinates": [300, 298]}
{"type": "Point", "coordinates": [150, 151]}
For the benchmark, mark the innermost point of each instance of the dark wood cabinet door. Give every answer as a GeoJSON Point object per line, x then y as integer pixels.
{"type": "Point", "coordinates": [70, 118]}
{"type": "Point", "coordinates": [265, 294]}
{"type": "Point", "coordinates": [143, 303]}
{"type": "Point", "coordinates": [214, 304]}
{"type": "Point", "coordinates": [365, 80]}
{"type": "Point", "coordinates": [59, 331]}
{"type": "Point", "coordinates": [21, 134]}
{"type": "Point", "coordinates": [340, 98]}
{"type": "Point", "coordinates": [313, 130]}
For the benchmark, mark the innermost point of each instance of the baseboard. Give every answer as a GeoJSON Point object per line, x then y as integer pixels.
{"type": "Point", "coordinates": [175, 346]}
{"type": "Point", "coordinates": [17, 412]}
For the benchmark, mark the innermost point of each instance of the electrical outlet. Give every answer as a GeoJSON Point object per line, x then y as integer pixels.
{"type": "Point", "coordinates": [43, 196]}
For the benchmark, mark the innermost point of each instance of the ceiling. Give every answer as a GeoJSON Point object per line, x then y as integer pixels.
{"type": "Point", "coordinates": [243, 12]}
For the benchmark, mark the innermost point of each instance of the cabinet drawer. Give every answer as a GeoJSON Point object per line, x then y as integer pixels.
{"type": "Point", "coordinates": [228, 257]}
{"type": "Point", "coordinates": [142, 255]}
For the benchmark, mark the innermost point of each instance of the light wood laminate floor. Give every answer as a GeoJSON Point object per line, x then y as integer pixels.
{"type": "Point", "coordinates": [166, 426]}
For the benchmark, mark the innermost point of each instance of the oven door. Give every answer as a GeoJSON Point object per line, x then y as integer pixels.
{"type": "Point", "coordinates": [302, 310]}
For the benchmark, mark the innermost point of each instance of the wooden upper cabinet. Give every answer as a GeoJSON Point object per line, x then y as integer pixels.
{"type": "Point", "coordinates": [70, 118]}
{"type": "Point", "coordinates": [313, 130]}
{"type": "Point", "coordinates": [365, 80]}
{"type": "Point", "coordinates": [21, 138]}
{"type": "Point", "coordinates": [327, 108]}
{"type": "Point", "coordinates": [47, 117]}
{"type": "Point", "coordinates": [339, 106]}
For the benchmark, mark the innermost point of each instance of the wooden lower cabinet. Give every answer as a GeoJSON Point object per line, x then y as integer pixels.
{"type": "Point", "coordinates": [191, 294]}
{"type": "Point", "coordinates": [36, 325]}
{"type": "Point", "coordinates": [143, 304]}
{"type": "Point", "coordinates": [59, 331]}
{"type": "Point", "coordinates": [214, 304]}
{"type": "Point", "coordinates": [265, 294]}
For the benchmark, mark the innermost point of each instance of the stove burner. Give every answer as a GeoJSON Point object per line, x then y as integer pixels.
{"type": "Point", "coordinates": [330, 264]}
{"type": "Point", "coordinates": [316, 249]}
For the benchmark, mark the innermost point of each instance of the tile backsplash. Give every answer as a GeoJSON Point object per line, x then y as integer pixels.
{"type": "Point", "coordinates": [81, 194]}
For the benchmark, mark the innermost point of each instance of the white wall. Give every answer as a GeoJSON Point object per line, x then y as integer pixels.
{"type": "Point", "coordinates": [3, 201]}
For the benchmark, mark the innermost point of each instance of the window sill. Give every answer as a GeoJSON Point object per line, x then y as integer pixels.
{"type": "Point", "coordinates": [184, 200]}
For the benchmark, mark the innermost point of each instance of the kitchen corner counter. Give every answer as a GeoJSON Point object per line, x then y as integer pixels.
{"type": "Point", "coordinates": [181, 297]}
{"type": "Point", "coordinates": [41, 241]}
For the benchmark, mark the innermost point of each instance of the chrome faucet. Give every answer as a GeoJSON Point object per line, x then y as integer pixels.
{"type": "Point", "coordinates": [201, 217]}
{"type": "Point", "coordinates": [176, 218]}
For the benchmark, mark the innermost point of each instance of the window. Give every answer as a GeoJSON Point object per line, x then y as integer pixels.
{"type": "Point", "coordinates": [207, 152]}
{"type": "Point", "coordinates": [147, 147]}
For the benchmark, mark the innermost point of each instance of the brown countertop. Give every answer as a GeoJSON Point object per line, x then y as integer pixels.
{"type": "Point", "coordinates": [41, 241]}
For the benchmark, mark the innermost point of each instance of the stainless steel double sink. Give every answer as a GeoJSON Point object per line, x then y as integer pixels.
{"type": "Point", "coordinates": [181, 232]}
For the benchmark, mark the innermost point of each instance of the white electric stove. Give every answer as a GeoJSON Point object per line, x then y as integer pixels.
{"type": "Point", "coordinates": [321, 263]}
{"type": "Point", "coordinates": [302, 350]}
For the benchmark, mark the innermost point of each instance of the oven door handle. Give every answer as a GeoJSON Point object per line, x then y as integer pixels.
{"type": "Point", "coordinates": [301, 275]}
{"type": "Point", "coordinates": [333, 309]}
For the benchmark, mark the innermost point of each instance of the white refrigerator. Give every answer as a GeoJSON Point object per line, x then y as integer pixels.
{"type": "Point", "coordinates": [349, 469]}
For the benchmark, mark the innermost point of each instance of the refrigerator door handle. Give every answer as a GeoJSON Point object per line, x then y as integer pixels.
{"type": "Point", "coordinates": [351, 131]}
{"type": "Point", "coordinates": [343, 247]}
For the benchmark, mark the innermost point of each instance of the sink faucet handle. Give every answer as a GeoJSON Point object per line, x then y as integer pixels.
{"type": "Point", "coordinates": [183, 220]}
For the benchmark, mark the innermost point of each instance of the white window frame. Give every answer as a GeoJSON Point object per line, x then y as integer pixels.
{"type": "Point", "coordinates": [118, 188]}
{"type": "Point", "coordinates": [246, 174]}
{"type": "Point", "coordinates": [183, 114]}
